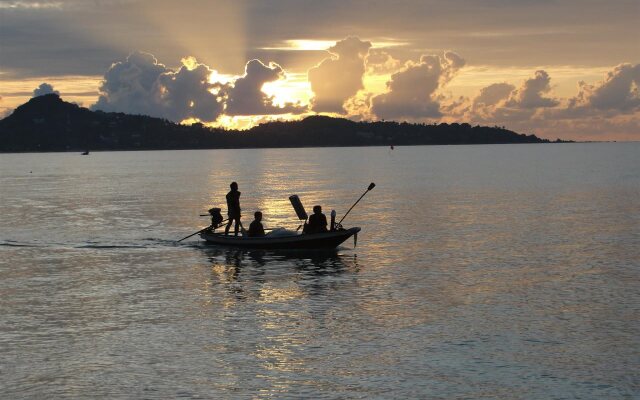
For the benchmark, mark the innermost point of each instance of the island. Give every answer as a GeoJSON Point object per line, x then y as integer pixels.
{"type": "Point", "coordinates": [47, 123]}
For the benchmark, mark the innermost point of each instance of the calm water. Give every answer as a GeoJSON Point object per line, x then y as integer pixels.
{"type": "Point", "coordinates": [497, 272]}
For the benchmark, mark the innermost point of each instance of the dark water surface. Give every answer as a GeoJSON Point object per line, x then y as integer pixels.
{"type": "Point", "coordinates": [497, 272]}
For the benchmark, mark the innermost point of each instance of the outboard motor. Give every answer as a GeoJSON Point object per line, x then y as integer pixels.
{"type": "Point", "coordinates": [333, 220]}
{"type": "Point", "coordinates": [216, 217]}
{"type": "Point", "coordinates": [297, 205]}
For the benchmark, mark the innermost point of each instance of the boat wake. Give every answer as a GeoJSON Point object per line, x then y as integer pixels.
{"type": "Point", "coordinates": [145, 243]}
{"type": "Point", "coordinates": [12, 243]}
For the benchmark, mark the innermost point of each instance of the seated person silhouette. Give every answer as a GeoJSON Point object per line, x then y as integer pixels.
{"type": "Point", "coordinates": [256, 229]}
{"type": "Point", "coordinates": [317, 221]}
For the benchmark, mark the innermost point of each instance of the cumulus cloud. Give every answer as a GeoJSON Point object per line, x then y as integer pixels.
{"type": "Point", "coordinates": [531, 93]}
{"type": "Point", "coordinates": [187, 93]}
{"type": "Point", "coordinates": [43, 89]}
{"type": "Point", "coordinates": [619, 91]}
{"type": "Point", "coordinates": [611, 106]}
{"type": "Point", "coordinates": [493, 94]}
{"type": "Point", "coordinates": [246, 97]}
{"type": "Point", "coordinates": [339, 77]}
{"type": "Point", "coordinates": [358, 107]}
{"type": "Point", "coordinates": [131, 86]}
{"type": "Point", "coordinates": [503, 102]}
{"type": "Point", "coordinates": [380, 62]}
{"type": "Point", "coordinates": [141, 85]}
{"type": "Point", "coordinates": [412, 91]}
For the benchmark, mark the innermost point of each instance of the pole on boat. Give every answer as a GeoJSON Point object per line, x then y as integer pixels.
{"type": "Point", "coordinates": [202, 230]}
{"type": "Point", "coordinates": [371, 186]}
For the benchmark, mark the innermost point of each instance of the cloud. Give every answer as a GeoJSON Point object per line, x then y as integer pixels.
{"type": "Point", "coordinates": [43, 89]}
{"type": "Point", "coordinates": [619, 91]}
{"type": "Point", "coordinates": [187, 93]}
{"type": "Point", "coordinates": [503, 102]}
{"type": "Point", "coordinates": [609, 107]}
{"type": "Point", "coordinates": [358, 107]}
{"type": "Point", "coordinates": [131, 86]}
{"type": "Point", "coordinates": [380, 62]}
{"type": "Point", "coordinates": [246, 97]}
{"type": "Point", "coordinates": [141, 85]}
{"type": "Point", "coordinates": [30, 5]}
{"type": "Point", "coordinates": [530, 94]}
{"type": "Point", "coordinates": [339, 77]}
{"type": "Point", "coordinates": [412, 90]}
{"type": "Point", "coordinates": [493, 94]}
{"type": "Point", "coordinates": [83, 37]}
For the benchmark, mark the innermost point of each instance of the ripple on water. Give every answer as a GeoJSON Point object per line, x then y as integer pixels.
{"type": "Point", "coordinates": [480, 272]}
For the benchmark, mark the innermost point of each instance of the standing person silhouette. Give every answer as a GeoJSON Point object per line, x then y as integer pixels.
{"type": "Point", "coordinates": [233, 207]}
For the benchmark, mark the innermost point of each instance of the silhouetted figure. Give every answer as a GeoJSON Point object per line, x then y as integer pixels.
{"type": "Point", "coordinates": [233, 207]}
{"type": "Point", "coordinates": [256, 229]}
{"type": "Point", "coordinates": [216, 218]}
{"type": "Point", "coordinates": [317, 221]}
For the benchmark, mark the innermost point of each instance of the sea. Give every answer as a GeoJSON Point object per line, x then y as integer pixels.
{"type": "Point", "coordinates": [481, 272]}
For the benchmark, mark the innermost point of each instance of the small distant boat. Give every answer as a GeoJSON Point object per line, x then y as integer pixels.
{"type": "Point", "coordinates": [286, 240]}
{"type": "Point", "coordinates": [86, 153]}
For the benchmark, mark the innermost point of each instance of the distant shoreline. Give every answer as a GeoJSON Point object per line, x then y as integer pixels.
{"type": "Point", "coordinates": [79, 151]}
{"type": "Point", "coordinates": [49, 124]}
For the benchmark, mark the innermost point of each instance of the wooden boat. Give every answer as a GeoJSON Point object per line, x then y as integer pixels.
{"type": "Point", "coordinates": [281, 238]}
{"type": "Point", "coordinates": [288, 240]}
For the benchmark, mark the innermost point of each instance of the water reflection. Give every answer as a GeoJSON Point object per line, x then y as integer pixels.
{"type": "Point", "coordinates": [273, 309]}
{"type": "Point", "coordinates": [269, 275]}
{"type": "Point", "coordinates": [316, 262]}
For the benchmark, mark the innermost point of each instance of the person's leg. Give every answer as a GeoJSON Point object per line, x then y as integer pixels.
{"type": "Point", "coordinates": [226, 229]}
{"type": "Point", "coordinates": [237, 226]}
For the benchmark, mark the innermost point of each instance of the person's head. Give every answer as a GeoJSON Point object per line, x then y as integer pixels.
{"type": "Point", "coordinates": [258, 216]}
{"type": "Point", "coordinates": [234, 186]}
{"type": "Point", "coordinates": [317, 209]}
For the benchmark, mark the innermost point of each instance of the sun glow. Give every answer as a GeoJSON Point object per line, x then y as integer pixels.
{"type": "Point", "coordinates": [319, 45]}
{"type": "Point", "coordinates": [217, 77]}
{"type": "Point", "coordinates": [303, 45]}
{"type": "Point", "coordinates": [294, 89]}
{"type": "Point", "coordinates": [244, 122]}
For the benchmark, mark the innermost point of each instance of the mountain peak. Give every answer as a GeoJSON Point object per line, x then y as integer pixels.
{"type": "Point", "coordinates": [43, 105]}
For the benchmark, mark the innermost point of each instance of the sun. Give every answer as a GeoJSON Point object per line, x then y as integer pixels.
{"type": "Point", "coordinates": [295, 88]}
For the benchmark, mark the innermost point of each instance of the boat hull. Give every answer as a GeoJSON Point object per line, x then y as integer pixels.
{"type": "Point", "coordinates": [325, 240]}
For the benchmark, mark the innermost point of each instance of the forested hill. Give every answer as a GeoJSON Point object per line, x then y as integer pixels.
{"type": "Point", "coordinates": [47, 123]}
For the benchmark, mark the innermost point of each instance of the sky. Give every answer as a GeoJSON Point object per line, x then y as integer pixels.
{"type": "Point", "coordinates": [554, 68]}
